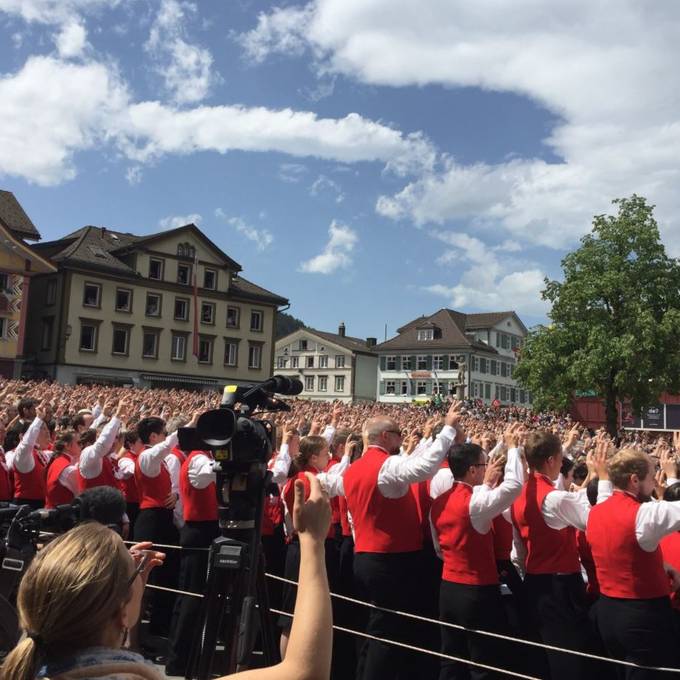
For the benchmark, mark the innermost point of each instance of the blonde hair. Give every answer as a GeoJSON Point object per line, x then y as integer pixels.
{"type": "Point", "coordinates": [68, 596]}
{"type": "Point", "coordinates": [627, 462]}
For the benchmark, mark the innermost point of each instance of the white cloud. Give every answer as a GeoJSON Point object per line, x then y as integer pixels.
{"type": "Point", "coordinates": [186, 68]}
{"type": "Point", "coordinates": [52, 11]}
{"type": "Point", "coordinates": [71, 40]}
{"type": "Point", "coordinates": [51, 110]}
{"type": "Point", "coordinates": [610, 78]}
{"type": "Point", "coordinates": [262, 238]}
{"type": "Point", "coordinates": [337, 254]}
{"type": "Point", "coordinates": [281, 32]}
{"type": "Point", "coordinates": [487, 281]}
{"type": "Point", "coordinates": [323, 184]}
{"type": "Point", "coordinates": [291, 172]}
{"type": "Point", "coordinates": [133, 175]}
{"type": "Point", "coordinates": [175, 221]}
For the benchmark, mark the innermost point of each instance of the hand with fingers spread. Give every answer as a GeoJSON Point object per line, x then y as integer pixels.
{"type": "Point", "coordinates": [494, 472]}
{"type": "Point", "coordinates": [667, 461]}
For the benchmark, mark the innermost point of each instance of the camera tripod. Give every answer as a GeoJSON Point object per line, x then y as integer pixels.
{"type": "Point", "coordinates": [235, 606]}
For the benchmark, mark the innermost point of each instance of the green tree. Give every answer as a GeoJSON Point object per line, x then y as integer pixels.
{"type": "Point", "coordinates": [286, 324]}
{"type": "Point", "coordinates": [615, 318]}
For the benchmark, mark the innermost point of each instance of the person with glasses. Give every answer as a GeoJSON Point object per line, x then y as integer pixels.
{"type": "Point", "coordinates": [388, 536]}
{"type": "Point", "coordinates": [466, 501]}
{"type": "Point", "coordinates": [83, 593]}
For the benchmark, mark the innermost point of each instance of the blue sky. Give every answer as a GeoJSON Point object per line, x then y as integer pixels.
{"type": "Point", "coordinates": [371, 160]}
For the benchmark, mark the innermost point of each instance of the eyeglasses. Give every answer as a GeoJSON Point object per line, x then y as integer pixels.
{"type": "Point", "coordinates": [146, 556]}
{"type": "Point", "coordinates": [397, 432]}
{"type": "Point", "coordinates": [479, 465]}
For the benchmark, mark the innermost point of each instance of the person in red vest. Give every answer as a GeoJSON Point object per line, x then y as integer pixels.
{"type": "Point", "coordinates": [634, 614]}
{"type": "Point", "coordinates": [156, 502]}
{"type": "Point", "coordinates": [62, 473]}
{"type": "Point", "coordinates": [126, 474]}
{"type": "Point", "coordinates": [313, 456]}
{"type": "Point", "coordinates": [95, 465]}
{"type": "Point", "coordinates": [388, 535]}
{"type": "Point", "coordinates": [462, 517]}
{"type": "Point", "coordinates": [670, 544]}
{"type": "Point", "coordinates": [199, 508]}
{"type": "Point", "coordinates": [6, 490]}
{"type": "Point", "coordinates": [27, 463]}
{"type": "Point", "coordinates": [546, 519]}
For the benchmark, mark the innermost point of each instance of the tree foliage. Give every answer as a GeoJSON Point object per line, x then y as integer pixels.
{"type": "Point", "coordinates": [615, 318]}
{"type": "Point", "coordinates": [286, 324]}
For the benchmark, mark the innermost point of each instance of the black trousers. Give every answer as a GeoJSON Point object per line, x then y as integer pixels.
{"type": "Point", "coordinates": [641, 631]}
{"type": "Point", "coordinates": [156, 525]}
{"type": "Point", "coordinates": [559, 609]}
{"type": "Point", "coordinates": [192, 577]}
{"type": "Point", "coordinates": [479, 607]}
{"type": "Point", "coordinates": [392, 580]}
{"type": "Point", "coordinates": [274, 549]}
{"type": "Point", "coordinates": [132, 511]}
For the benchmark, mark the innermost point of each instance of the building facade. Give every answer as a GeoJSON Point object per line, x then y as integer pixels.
{"type": "Point", "coordinates": [450, 352]}
{"type": "Point", "coordinates": [330, 365]}
{"type": "Point", "coordinates": [19, 265]}
{"type": "Point", "coordinates": [169, 309]}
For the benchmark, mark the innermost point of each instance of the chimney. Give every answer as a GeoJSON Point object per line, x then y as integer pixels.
{"type": "Point", "coordinates": [371, 342]}
{"type": "Point", "coordinates": [341, 329]}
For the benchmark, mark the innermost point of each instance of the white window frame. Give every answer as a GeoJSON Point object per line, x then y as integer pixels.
{"type": "Point", "coordinates": [98, 288]}
{"type": "Point", "coordinates": [231, 354]}
{"type": "Point", "coordinates": [159, 297]}
{"type": "Point", "coordinates": [186, 302]}
{"type": "Point", "coordinates": [211, 349]}
{"type": "Point", "coordinates": [406, 362]}
{"type": "Point", "coordinates": [438, 362]}
{"type": "Point", "coordinates": [323, 361]}
{"type": "Point", "coordinates": [207, 271]}
{"type": "Point", "coordinates": [155, 354]}
{"type": "Point", "coordinates": [174, 346]}
{"type": "Point", "coordinates": [255, 356]}
{"type": "Point", "coordinates": [211, 307]}
{"type": "Point", "coordinates": [425, 334]}
{"type": "Point", "coordinates": [281, 362]}
{"type": "Point", "coordinates": [309, 361]}
{"type": "Point", "coordinates": [94, 328]}
{"type": "Point", "coordinates": [238, 316]}
{"type": "Point", "coordinates": [323, 383]}
{"type": "Point", "coordinates": [339, 361]}
{"type": "Point", "coordinates": [295, 362]}
{"type": "Point", "coordinates": [126, 351]}
{"type": "Point", "coordinates": [339, 383]}
{"type": "Point", "coordinates": [404, 388]}
{"type": "Point", "coordinates": [180, 267]}
{"type": "Point", "coordinates": [391, 359]}
{"type": "Point", "coordinates": [161, 263]}
{"type": "Point", "coordinates": [309, 383]}
{"type": "Point", "coordinates": [421, 358]}
{"type": "Point", "coordinates": [255, 313]}
{"type": "Point", "coordinates": [391, 387]}
{"type": "Point", "coordinates": [421, 387]}
{"type": "Point", "coordinates": [121, 289]}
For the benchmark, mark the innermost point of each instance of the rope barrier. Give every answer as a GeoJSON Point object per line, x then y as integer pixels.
{"type": "Point", "coordinates": [175, 590]}
{"type": "Point", "coordinates": [413, 648]}
{"type": "Point", "coordinates": [172, 547]}
{"type": "Point", "coordinates": [436, 622]}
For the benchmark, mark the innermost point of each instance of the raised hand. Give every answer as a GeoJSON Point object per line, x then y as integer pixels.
{"type": "Point", "coordinates": [311, 517]}
{"type": "Point", "coordinates": [494, 472]}
{"type": "Point", "coordinates": [453, 415]}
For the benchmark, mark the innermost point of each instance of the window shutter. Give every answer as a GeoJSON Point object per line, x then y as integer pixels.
{"type": "Point", "coordinates": [382, 384]}
{"type": "Point", "coordinates": [383, 363]}
{"type": "Point", "coordinates": [428, 365]}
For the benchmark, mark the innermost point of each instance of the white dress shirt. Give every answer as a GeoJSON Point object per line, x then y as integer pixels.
{"type": "Point", "coordinates": [151, 459]}
{"type": "Point", "coordinates": [21, 459]}
{"type": "Point", "coordinates": [125, 468]}
{"type": "Point", "coordinates": [571, 508]}
{"type": "Point", "coordinates": [200, 471]}
{"type": "Point", "coordinates": [281, 465]}
{"type": "Point", "coordinates": [486, 502]}
{"type": "Point", "coordinates": [654, 520]}
{"type": "Point", "coordinates": [68, 478]}
{"type": "Point", "coordinates": [90, 462]}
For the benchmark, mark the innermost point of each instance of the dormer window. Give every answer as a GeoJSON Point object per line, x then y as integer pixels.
{"type": "Point", "coordinates": [424, 334]}
{"type": "Point", "coordinates": [186, 250]}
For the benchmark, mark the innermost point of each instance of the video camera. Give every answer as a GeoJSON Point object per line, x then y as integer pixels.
{"type": "Point", "coordinates": [235, 597]}
{"type": "Point", "coordinates": [240, 444]}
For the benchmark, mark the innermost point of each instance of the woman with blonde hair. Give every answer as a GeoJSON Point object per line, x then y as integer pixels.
{"type": "Point", "coordinates": [83, 592]}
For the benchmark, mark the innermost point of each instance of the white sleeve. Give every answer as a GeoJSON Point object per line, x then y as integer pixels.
{"type": "Point", "coordinates": [441, 482]}
{"type": "Point", "coordinates": [200, 472]}
{"type": "Point", "coordinates": [496, 449]}
{"type": "Point", "coordinates": [97, 409]}
{"type": "Point", "coordinates": [333, 480]}
{"type": "Point", "coordinates": [435, 537]}
{"type": "Point", "coordinates": [281, 465]}
{"type": "Point", "coordinates": [339, 468]}
{"type": "Point", "coordinates": [23, 454]}
{"type": "Point", "coordinates": [174, 467]}
{"type": "Point", "coordinates": [398, 473]}
{"type": "Point", "coordinates": [655, 520]}
{"type": "Point", "coordinates": [90, 462]}
{"type": "Point", "coordinates": [486, 503]}
{"type": "Point", "coordinates": [571, 509]}
{"type": "Point", "coordinates": [98, 421]}
{"type": "Point", "coordinates": [150, 459]}
{"type": "Point", "coordinates": [126, 468]}
{"type": "Point", "coordinates": [328, 434]}
{"type": "Point", "coordinates": [69, 479]}
{"type": "Point", "coordinates": [421, 446]}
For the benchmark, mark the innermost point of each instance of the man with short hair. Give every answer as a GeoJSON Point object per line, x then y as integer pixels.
{"type": "Point", "coordinates": [634, 613]}
{"type": "Point", "coordinates": [388, 535]}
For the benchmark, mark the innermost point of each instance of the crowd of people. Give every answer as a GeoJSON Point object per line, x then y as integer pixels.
{"type": "Point", "coordinates": [504, 520]}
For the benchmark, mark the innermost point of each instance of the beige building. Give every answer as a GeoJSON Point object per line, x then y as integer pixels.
{"type": "Point", "coordinates": [19, 264]}
{"type": "Point", "coordinates": [330, 365]}
{"type": "Point", "coordinates": [122, 309]}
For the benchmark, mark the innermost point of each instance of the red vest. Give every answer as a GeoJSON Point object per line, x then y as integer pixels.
{"type": "Point", "coordinates": [344, 518]}
{"type": "Point", "coordinates": [153, 491]}
{"type": "Point", "coordinates": [670, 549]}
{"type": "Point", "coordinates": [272, 514]}
{"type": "Point", "coordinates": [6, 493]}
{"type": "Point", "coordinates": [129, 485]}
{"type": "Point", "coordinates": [289, 493]}
{"type": "Point", "coordinates": [421, 493]}
{"type": "Point", "coordinates": [549, 551]}
{"type": "Point", "coordinates": [468, 555]}
{"type": "Point", "coordinates": [586, 556]}
{"type": "Point", "coordinates": [198, 505]}
{"type": "Point", "coordinates": [502, 538]}
{"type": "Point", "coordinates": [57, 493]}
{"type": "Point", "coordinates": [624, 569]}
{"type": "Point", "coordinates": [381, 525]}
{"type": "Point", "coordinates": [31, 485]}
{"type": "Point", "coordinates": [105, 478]}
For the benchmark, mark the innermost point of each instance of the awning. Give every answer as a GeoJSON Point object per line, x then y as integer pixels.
{"type": "Point", "coordinates": [180, 379]}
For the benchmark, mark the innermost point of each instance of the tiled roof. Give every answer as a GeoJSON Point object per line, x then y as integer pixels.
{"type": "Point", "coordinates": [452, 326]}
{"type": "Point", "coordinates": [243, 288]}
{"type": "Point", "coordinates": [350, 343]}
{"type": "Point", "coordinates": [485, 319]}
{"type": "Point", "coordinates": [13, 216]}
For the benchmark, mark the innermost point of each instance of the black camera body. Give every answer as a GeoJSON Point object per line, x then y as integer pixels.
{"type": "Point", "coordinates": [241, 446]}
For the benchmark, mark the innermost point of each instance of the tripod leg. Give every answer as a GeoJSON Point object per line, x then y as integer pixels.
{"type": "Point", "coordinates": [269, 646]}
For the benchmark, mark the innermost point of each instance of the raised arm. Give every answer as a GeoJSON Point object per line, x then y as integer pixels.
{"type": "Point", "coordinates": [23, 454]}
{"type": "Point", "coordinates": [308, 656]}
